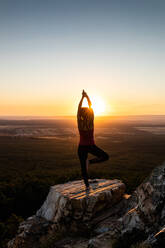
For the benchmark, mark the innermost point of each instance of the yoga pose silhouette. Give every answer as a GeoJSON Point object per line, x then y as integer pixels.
{"type": "Point", "coordinates": [85, 121]}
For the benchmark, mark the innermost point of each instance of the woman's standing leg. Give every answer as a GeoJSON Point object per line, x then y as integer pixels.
{"type": "Point", "coordinates": [99, 153]}
{"type": "Point", "coordinates": [83, 154]}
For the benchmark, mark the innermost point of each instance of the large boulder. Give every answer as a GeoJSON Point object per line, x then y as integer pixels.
{"type": "Point", "coordinates": [72, 200]}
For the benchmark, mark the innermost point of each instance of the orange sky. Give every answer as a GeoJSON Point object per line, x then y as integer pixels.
{"type": "Point", "coordinates": [61, 109]}
{"type": "Point", "coordinates": [50, 52]}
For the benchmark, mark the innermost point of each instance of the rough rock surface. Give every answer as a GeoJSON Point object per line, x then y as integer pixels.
{"type": "Point", "coordinates": [68, 206]}
{"type": "Point", "coordinates": [148, 215]}
{"type": "Point", "coordinates": [143, 219]}
{"type": "Point", "coordinates": [71, 199]}
{"type": "Point", "coordinates": [109, 217]}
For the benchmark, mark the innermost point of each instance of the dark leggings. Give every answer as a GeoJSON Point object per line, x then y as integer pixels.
{"type": "Point", "coordinates": [83, 155]}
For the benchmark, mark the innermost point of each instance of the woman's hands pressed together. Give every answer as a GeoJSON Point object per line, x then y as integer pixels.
{"type": "Point", "coordinates": [84, 94]}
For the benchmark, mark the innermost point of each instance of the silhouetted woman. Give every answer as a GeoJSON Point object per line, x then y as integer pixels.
{"type": "Point", "coordinates": [85, 121]}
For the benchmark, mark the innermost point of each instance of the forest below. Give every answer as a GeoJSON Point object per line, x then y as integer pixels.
{"type": "Point", "coordinates": [35, 154]}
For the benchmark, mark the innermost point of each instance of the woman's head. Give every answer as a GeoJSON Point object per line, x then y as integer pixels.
{"type": "Point", "coordinates": [84, 111]}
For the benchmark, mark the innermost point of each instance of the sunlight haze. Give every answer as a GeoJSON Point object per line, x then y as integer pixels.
{"type": "Point", "coordinates": [52, 50]}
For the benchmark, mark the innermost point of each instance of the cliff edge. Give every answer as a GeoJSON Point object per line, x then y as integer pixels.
{"type": "Point", "coordinates": [105, 217]}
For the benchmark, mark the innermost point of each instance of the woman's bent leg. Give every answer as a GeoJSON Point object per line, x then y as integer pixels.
{"type": "Point", "coordinates": [99, 153]}
{"type": "Point", "coordinates": [83, 154]}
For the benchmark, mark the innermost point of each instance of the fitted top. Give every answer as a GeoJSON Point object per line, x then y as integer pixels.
{"type": "Point", "coordinates": [86, 137]}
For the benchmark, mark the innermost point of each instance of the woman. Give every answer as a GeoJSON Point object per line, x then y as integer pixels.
{"type": "Point", "coordinates": [85, 121]}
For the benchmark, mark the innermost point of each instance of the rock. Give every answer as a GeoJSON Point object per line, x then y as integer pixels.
{"type": "Point", "coordinates": [107, 216]}
{"type": "Point", "coordinates": [71, 199]}
{"type": "Point", "coordinates": [29, 233]}
{"type": "Point", "coordinates": [144, 219]}
{"type": "Point", "coordinates": [137, 219]}
{"type": "Point", "coordinates": [70, 206]}
{"type": "Point", "coordinates": [149, 212]}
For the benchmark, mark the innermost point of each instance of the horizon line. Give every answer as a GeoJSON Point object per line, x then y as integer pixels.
{"type": "Point", "coordinates": [74, 116]}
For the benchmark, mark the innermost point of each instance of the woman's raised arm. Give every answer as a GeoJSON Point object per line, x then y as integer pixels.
{"type": "Point", "coordinates": [88, 99]}
{"type": "Point", "coordinates": [80, 104]}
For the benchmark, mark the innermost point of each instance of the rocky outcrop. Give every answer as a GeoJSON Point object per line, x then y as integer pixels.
{"type": "Point", "coordinates": [68, 207]}
{"type": "Point", "coordinates": [108, 217]}
{"type": "Point", "coordinates": [72, 201]}
{"type": "Point", "coordinates": [143, 219]}
{"type": "Point", "coordinates": [148, 216]}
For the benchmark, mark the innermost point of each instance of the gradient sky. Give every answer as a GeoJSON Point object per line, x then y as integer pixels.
{"type": "Point", "coordinates": [51, 50]}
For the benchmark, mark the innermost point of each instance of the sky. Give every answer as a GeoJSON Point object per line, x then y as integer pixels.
{"type": "Point", "coordinates": [51, 50]}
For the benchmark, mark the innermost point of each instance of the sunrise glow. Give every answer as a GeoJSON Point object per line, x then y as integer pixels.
{"type": "Point", "coordinates": [51, 51]}
{"type": "Point", "coordinates": [98, 105]}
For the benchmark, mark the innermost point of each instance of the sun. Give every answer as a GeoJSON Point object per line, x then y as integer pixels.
{"type": "Point", "coordinates": [98, 105]}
